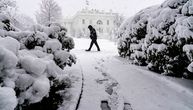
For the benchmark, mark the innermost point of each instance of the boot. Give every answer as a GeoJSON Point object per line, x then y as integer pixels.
{"type": "Point", "coordinates": [87, 50]}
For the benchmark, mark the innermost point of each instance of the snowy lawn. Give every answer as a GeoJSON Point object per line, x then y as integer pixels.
{"type": "Point", "coordinates": [111, 80]}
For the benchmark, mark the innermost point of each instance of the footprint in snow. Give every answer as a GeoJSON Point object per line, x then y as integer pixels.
{"type": "Point", "coordinates": [105, 105]}
{"type": "Point", "coordinates": [127, 106]}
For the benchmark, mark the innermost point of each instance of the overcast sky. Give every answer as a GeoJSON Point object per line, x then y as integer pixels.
{"type": "Point", "coordinates": [70, 7]}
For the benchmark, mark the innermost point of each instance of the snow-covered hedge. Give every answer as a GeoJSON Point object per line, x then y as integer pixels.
{"type": "Point", "coordinates": [31, 65]}
{"type": "Point", "coordinates": [162, 35]}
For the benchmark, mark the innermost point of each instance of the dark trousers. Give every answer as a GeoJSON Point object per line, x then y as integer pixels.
{"type": "Point", "coordinates": [94, 42]}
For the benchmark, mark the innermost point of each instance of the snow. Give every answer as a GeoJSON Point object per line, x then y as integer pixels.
{"type": "Point", "coordinates": [190, 67]}
{"type": "Point", "coordinates": [10, 44]}
{"type": "Point", "coordinates": [8, 99]}
{"type": "Point", "coordinates": [174, 3]}
{"type": "Point", "coordinates": [41, 37]}
{"type": "Point", "coordinates": [157, 47]}
{"type": "Point", "coordinates": [52, 46]}
{"type": "Point", "coordinates": [75, 73]}
{"type": "Point", "coordinates": [62, 57]}
{"type": "Point", "coordinates": [52, 30]}
{"type": "Point", "coordinates": [33, 66]}
{"type": "Point", "coordinates": [39, 89]}
{"type": "Point", "coordinates": [93, 93]}
{"type": "Point", "coordinates": [163, 30]}
{"type": "Point", "coordinates": [135, 47]}
{"type": "Point", "coordinates": [8, 59]}
{"type": "Point", "coordinates": [8, 82]}
{"type": "Point", "coordinates": [147, 91]}
{"type": "Point", "coordinates": [138, 54]}
{"type": "Point", "coordinates": [38, 53]}
{"type": "Point", "coordinates": [106, 79]}
{"type": "Point", "coordinates": [142, 89]}
{"type": "Point", "coordinates": [67, 42]}
{"type": "Point", "coordinates": [188, 48]}
{"type": "Point", "coordinates": [187, 8]}
{"type": "Point", "coordinates": [52, 69]}
{"type": "Point", "coordinates": [3, 17]}
{"type": "Point", "coordinates": [24, 81]}
{"type": "Point", "coordinates": [28, 63]}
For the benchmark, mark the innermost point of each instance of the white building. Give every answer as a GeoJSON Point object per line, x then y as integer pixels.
{"type": "Point", "coordinates": [102, 21]}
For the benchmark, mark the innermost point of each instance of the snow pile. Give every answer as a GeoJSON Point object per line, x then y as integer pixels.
{"type": "Point", "coordinates": [163, 34]}
{"type": "Point", "coordinates": [31, 65]}
{"type": "Point", "coordinates": [8, 99]}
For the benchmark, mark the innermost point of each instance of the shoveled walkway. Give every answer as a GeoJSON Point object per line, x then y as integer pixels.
{"type": "Point", "coordinates": [112, 84]}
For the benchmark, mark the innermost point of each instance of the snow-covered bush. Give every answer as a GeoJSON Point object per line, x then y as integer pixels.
{"type": "Point", "coordinates": [139, 58]}
{"type": "Point", "coordinates": [63, 58]}
{"type": "Point", "coordinates": [10, 44]}
{"type": "Point", "coordinates": [67, 42]}
{"type": "Point", "coordinates": [123, 47]}
{"type": "Point", "coordinates": [165, 33]}
{"type": "Point", "coordinates": [189, 51]}
{"type": "Point", "coordinates": [57, 93]}
{"type": "Point", "coordinates": [35, 66]}
{"type": "Point", "coordinates": [52, 31]}
{"type": "Point", "coordinates": [52, 45]}
{"type": "Point", "coordinates": [189, 73]}
{"type": "Point", "coordinates": [8, 98]}
{"type": "Point", "coordinates": [156, 55]}
{"type": "Point", "coordinates": [31, 66]}
{"type": "Point", "coordinates": [8, 61]}
{"type": "Point", "coordinates": [187, 9]}
{"type": "Point", "coordinates": [6, 25]}
{"type": "Point", "coordinates": [35, 39]}
{"type": "Point", "coordinates": [56, 31]}
{"type": "Point", "coordinates": [35, 92]}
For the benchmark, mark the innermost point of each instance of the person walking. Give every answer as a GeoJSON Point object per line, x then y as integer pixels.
{"type": "Point", "coordinates": [93, 37]}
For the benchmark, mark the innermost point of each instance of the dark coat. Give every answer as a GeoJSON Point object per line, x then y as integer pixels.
{"type": "Point", "coordinates": [93, 34]}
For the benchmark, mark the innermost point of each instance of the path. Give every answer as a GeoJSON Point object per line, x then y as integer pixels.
{"type": "Point", "coordinates": [112, 83]}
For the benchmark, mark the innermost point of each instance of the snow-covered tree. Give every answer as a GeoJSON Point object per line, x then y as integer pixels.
{"type": "Point", "coordinates": [50, 12]}
{"type": "Point", "coordinates": [161, 37]}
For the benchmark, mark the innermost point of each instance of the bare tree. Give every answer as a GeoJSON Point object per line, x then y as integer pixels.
{"type": "Point", "coordinates": [49, 12]}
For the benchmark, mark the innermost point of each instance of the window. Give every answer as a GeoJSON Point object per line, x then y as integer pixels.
{"type": "Point", "coordinates": [108, 22]}
{"type": "Point", "coordinates": [83, 21]}
{"type": "Point", "coordinates": [99, 22]}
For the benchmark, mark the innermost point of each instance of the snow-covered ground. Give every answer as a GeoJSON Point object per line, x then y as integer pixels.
{"type": "Point", "coordinates": [110, 79]}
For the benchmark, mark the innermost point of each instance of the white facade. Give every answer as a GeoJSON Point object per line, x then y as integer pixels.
{"type": "Point", "coordinates": [102, 21]}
